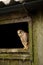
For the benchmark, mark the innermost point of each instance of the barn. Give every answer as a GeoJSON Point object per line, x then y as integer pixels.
{"type": "Point", "coordinates": [28, 17]}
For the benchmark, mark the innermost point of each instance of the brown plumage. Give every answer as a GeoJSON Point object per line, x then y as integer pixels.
{"type": "Point", "coordinates": [23, 37]}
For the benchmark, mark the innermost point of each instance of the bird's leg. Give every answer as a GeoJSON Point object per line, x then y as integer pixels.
{"type": "Point", "coordinates": [26, 47]}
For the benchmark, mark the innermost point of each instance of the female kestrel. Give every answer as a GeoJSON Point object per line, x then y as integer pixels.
{"type": "Point", "coordinates": [23, 37]}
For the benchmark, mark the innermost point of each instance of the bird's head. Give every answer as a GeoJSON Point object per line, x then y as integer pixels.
{"type": "Point", "coordinates": [20, 32]}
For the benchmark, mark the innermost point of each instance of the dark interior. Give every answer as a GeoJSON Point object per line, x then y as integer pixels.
{"type": "Point", "coordinates": [9, 37]}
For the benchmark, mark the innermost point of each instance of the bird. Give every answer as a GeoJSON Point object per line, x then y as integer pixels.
{"type": "Point", "coordinates": [23, 37]}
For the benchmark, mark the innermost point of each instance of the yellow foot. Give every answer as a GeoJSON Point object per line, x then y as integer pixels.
{"type": "Point", "coordinates": [25, 48]}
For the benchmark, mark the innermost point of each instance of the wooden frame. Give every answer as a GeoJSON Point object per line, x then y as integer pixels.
{"type": "Point", "coordinates": [19, 53]}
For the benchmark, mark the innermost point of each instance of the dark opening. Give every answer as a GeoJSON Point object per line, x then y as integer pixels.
{"type": "Point", "coordinates": [9, 37]}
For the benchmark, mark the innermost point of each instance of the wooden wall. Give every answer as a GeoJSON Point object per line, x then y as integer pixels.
{"type": "Point", "coordinates": [38, 37]}
{"type": "Point", "coordinates": [13, 18]}
{"type": "Point", "coordinates": [37, 31]}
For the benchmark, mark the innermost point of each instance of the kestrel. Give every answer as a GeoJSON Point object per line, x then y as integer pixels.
{"type": "Point", "coordinates": [23, 37]}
